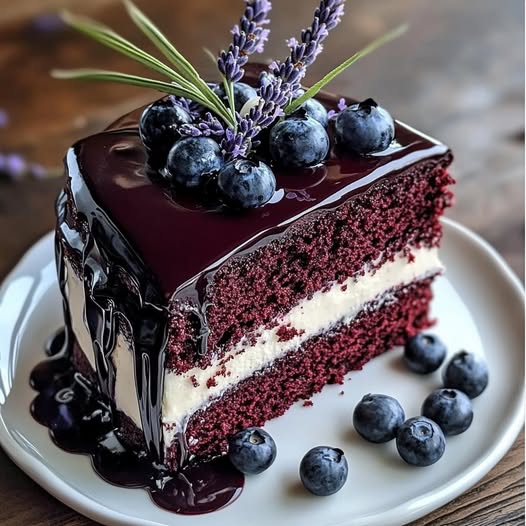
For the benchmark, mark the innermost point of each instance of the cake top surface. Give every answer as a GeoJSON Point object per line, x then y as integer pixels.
{"type": "Point", "coordinates": [179, 237]}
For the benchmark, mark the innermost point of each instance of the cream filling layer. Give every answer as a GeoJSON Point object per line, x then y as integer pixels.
{"type": "Point", "coordinates": [186, 393]}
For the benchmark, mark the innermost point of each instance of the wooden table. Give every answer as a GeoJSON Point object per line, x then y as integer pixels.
{"type": "Point", "coordinates": [458, 75]}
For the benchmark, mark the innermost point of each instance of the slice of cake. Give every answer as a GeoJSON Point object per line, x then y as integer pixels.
{"type": "Point", "coordinates": [214, 274]}
{"type": "Point", "coordinates": [200, 322]}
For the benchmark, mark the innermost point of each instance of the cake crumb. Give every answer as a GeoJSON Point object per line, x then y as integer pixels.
{"type": "Point", "coordinates": [342, 393]}
{"type": "Point", "coordinates": [286, 333]}
{"type": "Point", "coordinates": [211, 382]}
{"type": "Point", "coordinates": [308, 403]}
{"type": "Point", "coordinates": [194, 381]}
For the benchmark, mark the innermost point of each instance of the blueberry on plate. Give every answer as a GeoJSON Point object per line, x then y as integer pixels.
{"type": "Point", "coordinates": [420, 441]}
{"type": "Point", "coordinates": [313, 109]}
{"type": "Point", "coordinates": [192, 160]}
{"type": "Point", "coordinates": [364, 128]}
{"type": "Point", "coordinates": [324, 470]}
{"type": "Point", "coordinates": [246, 184]}
{"type": "Point", "coordinates": [466, 372]}
{"type": "Point", "coordinates": [252, 450]}
{"type": "Point", "coordinates": [424, 353]}
{"type": "Point", "coordinates": [451, 409]}
{"type": "Point", "coordinates": [298, 142]}
{"type": "Point", "coordinates": [242, 94]}
{"type": "Point", "coordinates": [159, 125]}
{"type": "Point", "coordinates": [377, 418]}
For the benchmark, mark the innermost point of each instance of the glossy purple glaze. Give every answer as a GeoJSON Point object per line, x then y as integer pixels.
{"type": "Point", "coordinates": [81, 421]}
{"type": "Point", "coordinates": [177, 238]}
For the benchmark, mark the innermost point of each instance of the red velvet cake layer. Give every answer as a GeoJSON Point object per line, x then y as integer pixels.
{"type": "Point", "coordinates": [324, 359]}
{"type": "Point", "coordinates": [252, 291]}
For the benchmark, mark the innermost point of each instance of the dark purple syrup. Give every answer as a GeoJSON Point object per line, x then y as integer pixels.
{"type": "Point", "coordinates": [80, 421]}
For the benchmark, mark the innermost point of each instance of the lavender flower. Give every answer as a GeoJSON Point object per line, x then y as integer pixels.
{"type": "Point", "coordinates": [37, 171]}
{"type": "Point", "coordinates": [342, 105]}
{"type": "Point", "coordinates": [192, 107]}
{"type": "Point", "coordinates": [249, 37]}
{"type": "Point", "coordinates": [284, 81]}
{"type": "Point", "coordinates": [302, 54]}
{"type": "Point", "coordinates": [4, 119]}
{"type": "Point", "coordinates": [14, 167]}
{"type": "Point", "coordinates": [48, 23]}
{"type": "Point", "coordinates": [205, 127]}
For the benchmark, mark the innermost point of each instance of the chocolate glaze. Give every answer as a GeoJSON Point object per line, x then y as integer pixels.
{"type": "Point", "coordinates": [161, 248]}
{"type": "Point", "coordinates": [80, 420]}
{"type": "Point", "coordinates": [118, 289]}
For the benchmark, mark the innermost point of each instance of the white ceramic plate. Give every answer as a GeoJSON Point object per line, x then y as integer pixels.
{"type": "Point", "coordinates": [480, 307]}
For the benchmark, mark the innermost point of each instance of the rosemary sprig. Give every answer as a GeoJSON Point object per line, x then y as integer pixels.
{"type": "Point", "coordinates": [183, 66]}
{"type": "Point", "coordinates": [190, 83]}
{"type": "Point", "coordinates": [123, 78]}
{"type": "Point", "coordinates": [316, 88]}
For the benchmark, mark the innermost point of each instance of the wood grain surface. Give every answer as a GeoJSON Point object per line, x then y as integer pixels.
{"type": "Point", "coordinates": [457, 75]}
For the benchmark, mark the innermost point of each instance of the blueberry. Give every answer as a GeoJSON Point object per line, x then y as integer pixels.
{"type": "Point", "coordinates": [450, 409]}
{"type": "Point", "coordinates": [324, 470]}
{"type": "Point", "coordinates": [298, 142]}
{"type": "Point", "coordinates": [246, 184]}
{"type": "Point", "coordinates": [467, 373]}
{"type": "Point", "coordinates": [252, 450]}
{"type": "Point", "coordinates": [192, 159]}
{"type": "Point", "coordinates": [424, 353]}
{"type": "Point", "coordinates": [242, 94]}
{"type": "Point", "coordinates": [364, 128]}
{"type": "Point", "coordinates": [159, 125]}
{"type": "Point", "coordinates": [377, 417]}
{"type": "Point", "coordinates": [313, 109]}
{"type": "Point", "coordinates": [420, 441]}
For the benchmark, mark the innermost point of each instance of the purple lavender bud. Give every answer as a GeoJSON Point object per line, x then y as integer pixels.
{"type": "Point", "coordinates": [4, 119]}
{"type": "Point", "coordinates": [248, 37]}
{"type": "Point", "coordinates": [15, 166]}
{"type": "Point", "coordinates": [37, 171]}
{"type": "Point", "coordinates": [47, 23]}
{"type": "Point", "coordinates": [284, 79]}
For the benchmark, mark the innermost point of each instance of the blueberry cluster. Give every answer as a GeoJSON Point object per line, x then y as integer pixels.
{"type": "Point", "coordinates": [190, 155]}
{"type": "Point", "coordinates": [189, 162]}
{"type": "Point", "coordinates": [420, 440]}
{"type": "Point", "coordinates": [323, 469]}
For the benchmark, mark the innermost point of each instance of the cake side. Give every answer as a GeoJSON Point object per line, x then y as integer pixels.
{"type": "Point", "coordinates": [383, 323]}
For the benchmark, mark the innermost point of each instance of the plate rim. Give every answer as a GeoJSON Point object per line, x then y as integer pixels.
{"type": "Point", "coordinates": [408, 511]}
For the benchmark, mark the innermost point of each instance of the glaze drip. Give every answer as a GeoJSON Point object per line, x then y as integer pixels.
{"type": "Point", "coordinates": [118, 289]}
{"type": "Point", "coordinates": [80, 420]}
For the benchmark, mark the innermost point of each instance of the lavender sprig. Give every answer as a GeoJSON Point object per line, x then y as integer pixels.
{"type": "Point", "coordinates": [15, 167]}
{"type": "Point", "coordinates": [282, 84]}
{"type": "Point", "coordinates": [248, 37]}
{"type": "Point", "coordinates": [4, 118]}
{"type": "Point", "coordinates": [193, 108]}
{"type": "Point", "coordinates": [205, 127]}
{"type": "Point", "coordinates": [302, 54]}
{"type": "Point", "coordinates": [342, 105]}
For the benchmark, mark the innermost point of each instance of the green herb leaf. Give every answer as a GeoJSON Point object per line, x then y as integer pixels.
{"type": "Point", "coordinates": [106, 36]}
{"type": "Point", "coordinates": [314, 90]}
{"type": "Point", "coordinates": [210, 55]}
{"type": "Point", "coordinates": [183, 66]}
{"type": "Point", "coordinates": [229, 90]}
{"type": "Point", "coordinates": [122, 78]}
